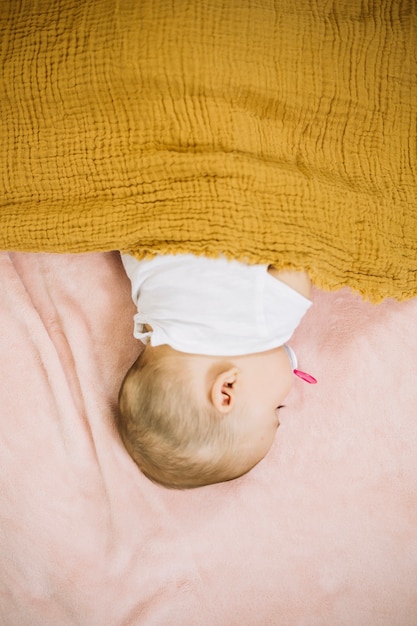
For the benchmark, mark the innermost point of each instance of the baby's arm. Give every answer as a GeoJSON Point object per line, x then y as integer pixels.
{"type": "Point", "coordinates": [299, 281]}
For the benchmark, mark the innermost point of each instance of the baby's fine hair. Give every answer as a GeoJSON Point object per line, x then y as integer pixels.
{"type": "Point", "coordinates": [177, 440]}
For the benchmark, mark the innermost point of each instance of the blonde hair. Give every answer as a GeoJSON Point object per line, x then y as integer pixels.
{"type": "Point", "coordinates": [177, 440]}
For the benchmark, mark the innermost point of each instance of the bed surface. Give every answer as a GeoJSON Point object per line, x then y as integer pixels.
{"type": "Point", "coordinates": [323, 531]}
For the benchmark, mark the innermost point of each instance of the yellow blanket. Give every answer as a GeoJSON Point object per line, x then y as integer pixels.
{"type": "Point", "coordinates": [281, 132]}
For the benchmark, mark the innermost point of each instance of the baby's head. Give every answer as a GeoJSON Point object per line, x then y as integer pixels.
{"type": "Point", "coordinates": [192, 420]}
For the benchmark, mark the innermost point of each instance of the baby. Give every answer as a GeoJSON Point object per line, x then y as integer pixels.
{"type": "Point", "coordinates": [201, 403]}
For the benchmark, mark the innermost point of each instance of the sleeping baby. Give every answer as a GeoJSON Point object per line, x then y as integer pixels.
{"type": "Point", "coordinates": [201, 403]}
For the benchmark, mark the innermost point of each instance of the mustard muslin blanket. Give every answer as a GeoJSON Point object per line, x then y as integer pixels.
{"type": "Point", "coordinates": [269, 131]}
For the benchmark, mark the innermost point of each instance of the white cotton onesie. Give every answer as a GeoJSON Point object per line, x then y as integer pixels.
{"type": "Point", "coordinates": [209, 306]}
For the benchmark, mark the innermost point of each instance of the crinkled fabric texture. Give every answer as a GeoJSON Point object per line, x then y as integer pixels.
{"type": "Point", "coordinates": [322, 532]}
{"type": "Point", "coordinates": [274, 132]}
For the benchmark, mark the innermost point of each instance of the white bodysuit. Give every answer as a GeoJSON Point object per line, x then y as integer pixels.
{"type": "Point", "coordinates": [209, 306]}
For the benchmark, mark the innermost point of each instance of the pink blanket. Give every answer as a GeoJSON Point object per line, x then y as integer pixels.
{"type": "Point", "coordinates": [323, 531]}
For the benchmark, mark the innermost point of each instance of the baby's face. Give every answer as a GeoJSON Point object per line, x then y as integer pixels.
{"type": "Point", "coordinates": [264, 382]}
{"type": "Point", "coordinates": [256, 385]}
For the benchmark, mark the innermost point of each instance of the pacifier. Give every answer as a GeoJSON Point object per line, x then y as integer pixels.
{"type": "Point", "coordinates": [294, 363]}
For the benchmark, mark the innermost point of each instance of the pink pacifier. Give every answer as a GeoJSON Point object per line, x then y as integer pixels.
{"type": "Point", "coordinates": [293, 360]}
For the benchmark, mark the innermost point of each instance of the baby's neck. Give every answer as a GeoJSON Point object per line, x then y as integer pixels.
{"type": "Point", "coordinates": [299, 281]}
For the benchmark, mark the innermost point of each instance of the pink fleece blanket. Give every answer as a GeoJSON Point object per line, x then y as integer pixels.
{"type": "Point", "coordinates": [322, 532]}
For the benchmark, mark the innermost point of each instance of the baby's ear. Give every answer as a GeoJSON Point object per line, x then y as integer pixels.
{"type": "Point", "coordinates": [223, 391]}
